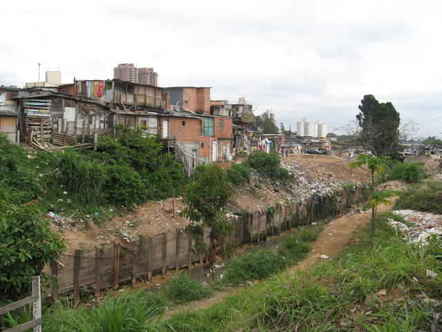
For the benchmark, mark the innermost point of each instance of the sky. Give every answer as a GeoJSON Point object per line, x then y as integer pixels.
{"type": "Point", "coordinates": [298, 58]}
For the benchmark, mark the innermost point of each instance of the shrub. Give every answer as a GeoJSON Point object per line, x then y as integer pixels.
{"type": "Point", "coordinates": [123, 186]}
{"type": "Point", "coordinates": [268, 164]}
{"type": "Point", "coordinates": [265, 163]}
{"type": "Point", "coordinates": [239, 174]}
{"type": "Point", "coordinates": [408, 172]}
{"type": "Point", "coordinates": [426, 198]}
{"type": "Point", "coordinates": [255, 265]}
{"type": "Point", "coordinates": [26, 245]}
{"type": "Point", "coordinates": [182, 289]}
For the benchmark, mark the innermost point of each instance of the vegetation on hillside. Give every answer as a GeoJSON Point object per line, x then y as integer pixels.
{"type": "Point", "coordinates": [124, 171]}
{"type": "Point", "coordinates": [268, 165]}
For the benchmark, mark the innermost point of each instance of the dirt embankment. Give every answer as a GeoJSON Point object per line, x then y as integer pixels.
{"type": "Point", "coordinates": [312, 174]}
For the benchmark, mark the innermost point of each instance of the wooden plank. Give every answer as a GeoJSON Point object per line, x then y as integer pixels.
{"type": "Point", "coordinates": [99, 253]}
{"type": "Point", "coordinates": [189, 250]}
{"type": "Point", "coordinates": [149, 259]}
{"type": "Point", "coordinates": [36, 307]}
{"type": "Point", "coordinates": [15, 305]}
{"type": "Point", "coordinates": [23, 327]}
{"type": "Point", "coordinates": [135, 259]}
{"type": "Point", "coordinates": [164, 254]}
{"type": "Point", "coordinates": [54, 283]}
{"type": "Point", "coordinates": [116, 265]}
{"type": "Point", "coordinates": [177, 249]}
{"type": "Point", "coordinates": [76, 278]}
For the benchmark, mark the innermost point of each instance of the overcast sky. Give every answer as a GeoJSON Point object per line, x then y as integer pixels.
{"type": "Point", "coordinates": [301, 59]}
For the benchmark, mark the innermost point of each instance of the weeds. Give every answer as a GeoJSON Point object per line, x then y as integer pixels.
{"type": "Point", "coordinates": [130, 312]}
{"type": "Point", "coordinates": [426, 197]}
{"type": "Point", "coordinates": [337, 295]}
{"type": "Point", "coordinates": [182, 289]}
{"type": "Point", "coordinates": [408, 172]}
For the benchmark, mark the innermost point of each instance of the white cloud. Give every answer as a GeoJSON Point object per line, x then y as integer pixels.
{"type": "Point", "coordinates": [313, 59]}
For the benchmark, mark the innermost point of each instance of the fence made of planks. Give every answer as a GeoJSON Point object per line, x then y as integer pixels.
{"type": "Point", "coordinates": [35, 300]}
{"type": "Point", "coordinates": [109, 266]}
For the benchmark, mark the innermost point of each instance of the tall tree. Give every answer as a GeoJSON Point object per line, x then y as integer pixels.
{"type": "Point", "coordinates": [379, 124]}
{"type": "Point", "coordinates": [266, 122]}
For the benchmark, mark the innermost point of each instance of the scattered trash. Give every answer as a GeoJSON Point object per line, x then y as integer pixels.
{"type": "Point", "coordinates": [382, 292]}
{"type": "Point", "coordinates": [419, 227]}
{"type": "Point", "coordinates": [431, 274]}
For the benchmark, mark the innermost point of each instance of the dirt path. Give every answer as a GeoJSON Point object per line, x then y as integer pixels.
{"type": "Point", "coordinates": [336, 235]}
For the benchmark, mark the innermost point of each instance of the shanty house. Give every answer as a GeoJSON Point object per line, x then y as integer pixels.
{"type": "Point", "coordinates": [8, 114]}
{"type": "Point", "coordinates": [60, 119]}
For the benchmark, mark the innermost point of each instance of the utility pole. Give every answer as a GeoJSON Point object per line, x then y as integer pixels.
{"type": "Point", "coordinates": [39, 64]}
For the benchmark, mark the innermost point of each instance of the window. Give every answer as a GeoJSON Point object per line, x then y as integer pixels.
{"type": "Point", "coordinates": [183, 123]}
{"type": "Point", "coordinates": [202, 145]}
{"type": "Point", "coordinates": [207, 127]}
{"type": "Point", "coordinates": [221, 124]}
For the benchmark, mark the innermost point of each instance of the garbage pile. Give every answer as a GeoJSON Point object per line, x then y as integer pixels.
{"type": "Point", "coordinates": [307, 185]}
{"type": "Point", "coordinates": [419, 227]}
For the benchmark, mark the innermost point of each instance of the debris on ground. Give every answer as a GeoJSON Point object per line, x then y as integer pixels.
{"type": "Point", "coordinates": [419, 227]}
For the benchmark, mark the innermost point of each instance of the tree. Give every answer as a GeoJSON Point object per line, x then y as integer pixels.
{"type": "Point", "coordinates": [27, 245]}
{"type": "Point", "coordinates": [432, 140]}
{"type": "Point", "coordinates": [206, 197]}
{"type": "Point", "coordinates": [379, 124]}
{"type": "Point", "coordinates": [376, 165]}
{"type": "Point", "coordinates": [266, 122]}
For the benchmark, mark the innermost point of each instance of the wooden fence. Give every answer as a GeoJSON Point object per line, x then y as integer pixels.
{"type": "Point", "coordinates": [35, 299]}
{"type": "Point", "coordinates": [109, 266]}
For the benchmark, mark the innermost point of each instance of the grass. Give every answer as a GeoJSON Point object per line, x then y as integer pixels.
{"type": "Point", "coordinates": [426, 197]}
{"type": "Point", "coordinates": [369, 287]}
{"type": "Point", "coordinates": [137, 311]}
{"type": "Point", "coordinates": [262, 263]}
{"type": "Point", "coordinates": [182, 289]}
{"type": "Point", "coordinates": [130, 312]}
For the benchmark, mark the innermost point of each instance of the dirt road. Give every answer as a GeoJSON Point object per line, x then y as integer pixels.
{"type": "Point", "coordinates": [336, 235]}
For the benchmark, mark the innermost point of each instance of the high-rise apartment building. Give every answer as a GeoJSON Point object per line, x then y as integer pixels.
{"type": "Point", "coordinates": [147, 76]}
{"type": "Point", "coordinates": [128, 72]}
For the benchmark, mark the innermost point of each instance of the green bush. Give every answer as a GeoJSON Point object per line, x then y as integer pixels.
{"type": "Point", "coordinates": [426, 198]}
{"type": "Point", "coordinates": [19, 178]}
{"type": "Point", "coordinates": [408, 172]}
{"type": "Point", "coordinates": [255, 265]}
{"type": "Point", "coordinates": [27, 244]}
{"type": "Point", "coordinates": [265, 163]}
{"type": "Point", "coordinates": [239, 174]}
{"type": "Point", "coordinates": [183, 289]}
{"type": "Point", "coordinates": [268, 164]}
{"type": "Point", "coordinates": [83, 179]}
{"type": "Point", "coordinates": [123, 186]}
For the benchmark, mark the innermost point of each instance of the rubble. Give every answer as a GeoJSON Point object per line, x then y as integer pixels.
{"type": "Point", "coordinates": [419, 226]}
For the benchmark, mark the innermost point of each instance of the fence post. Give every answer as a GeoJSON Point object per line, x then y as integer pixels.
{"type": "Point", "coordinates": [54, 283]}
{"type": "Point", "coordinates": [36, 306]}
{"type": "Point", "coordinates": [116, 265]}
{"type": "Point", "coordinates": [189, 248]}
{"type": "Point", "coordinates": [177, 250]}
{"type": "Point", "coordinates": [98, 280]}
{"type": "Point", "coordinates": [150, 259]}
{"type": "Point", "coordinates": [77, 266]}
{"type": "Point", "coordinates": [164, 252]}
